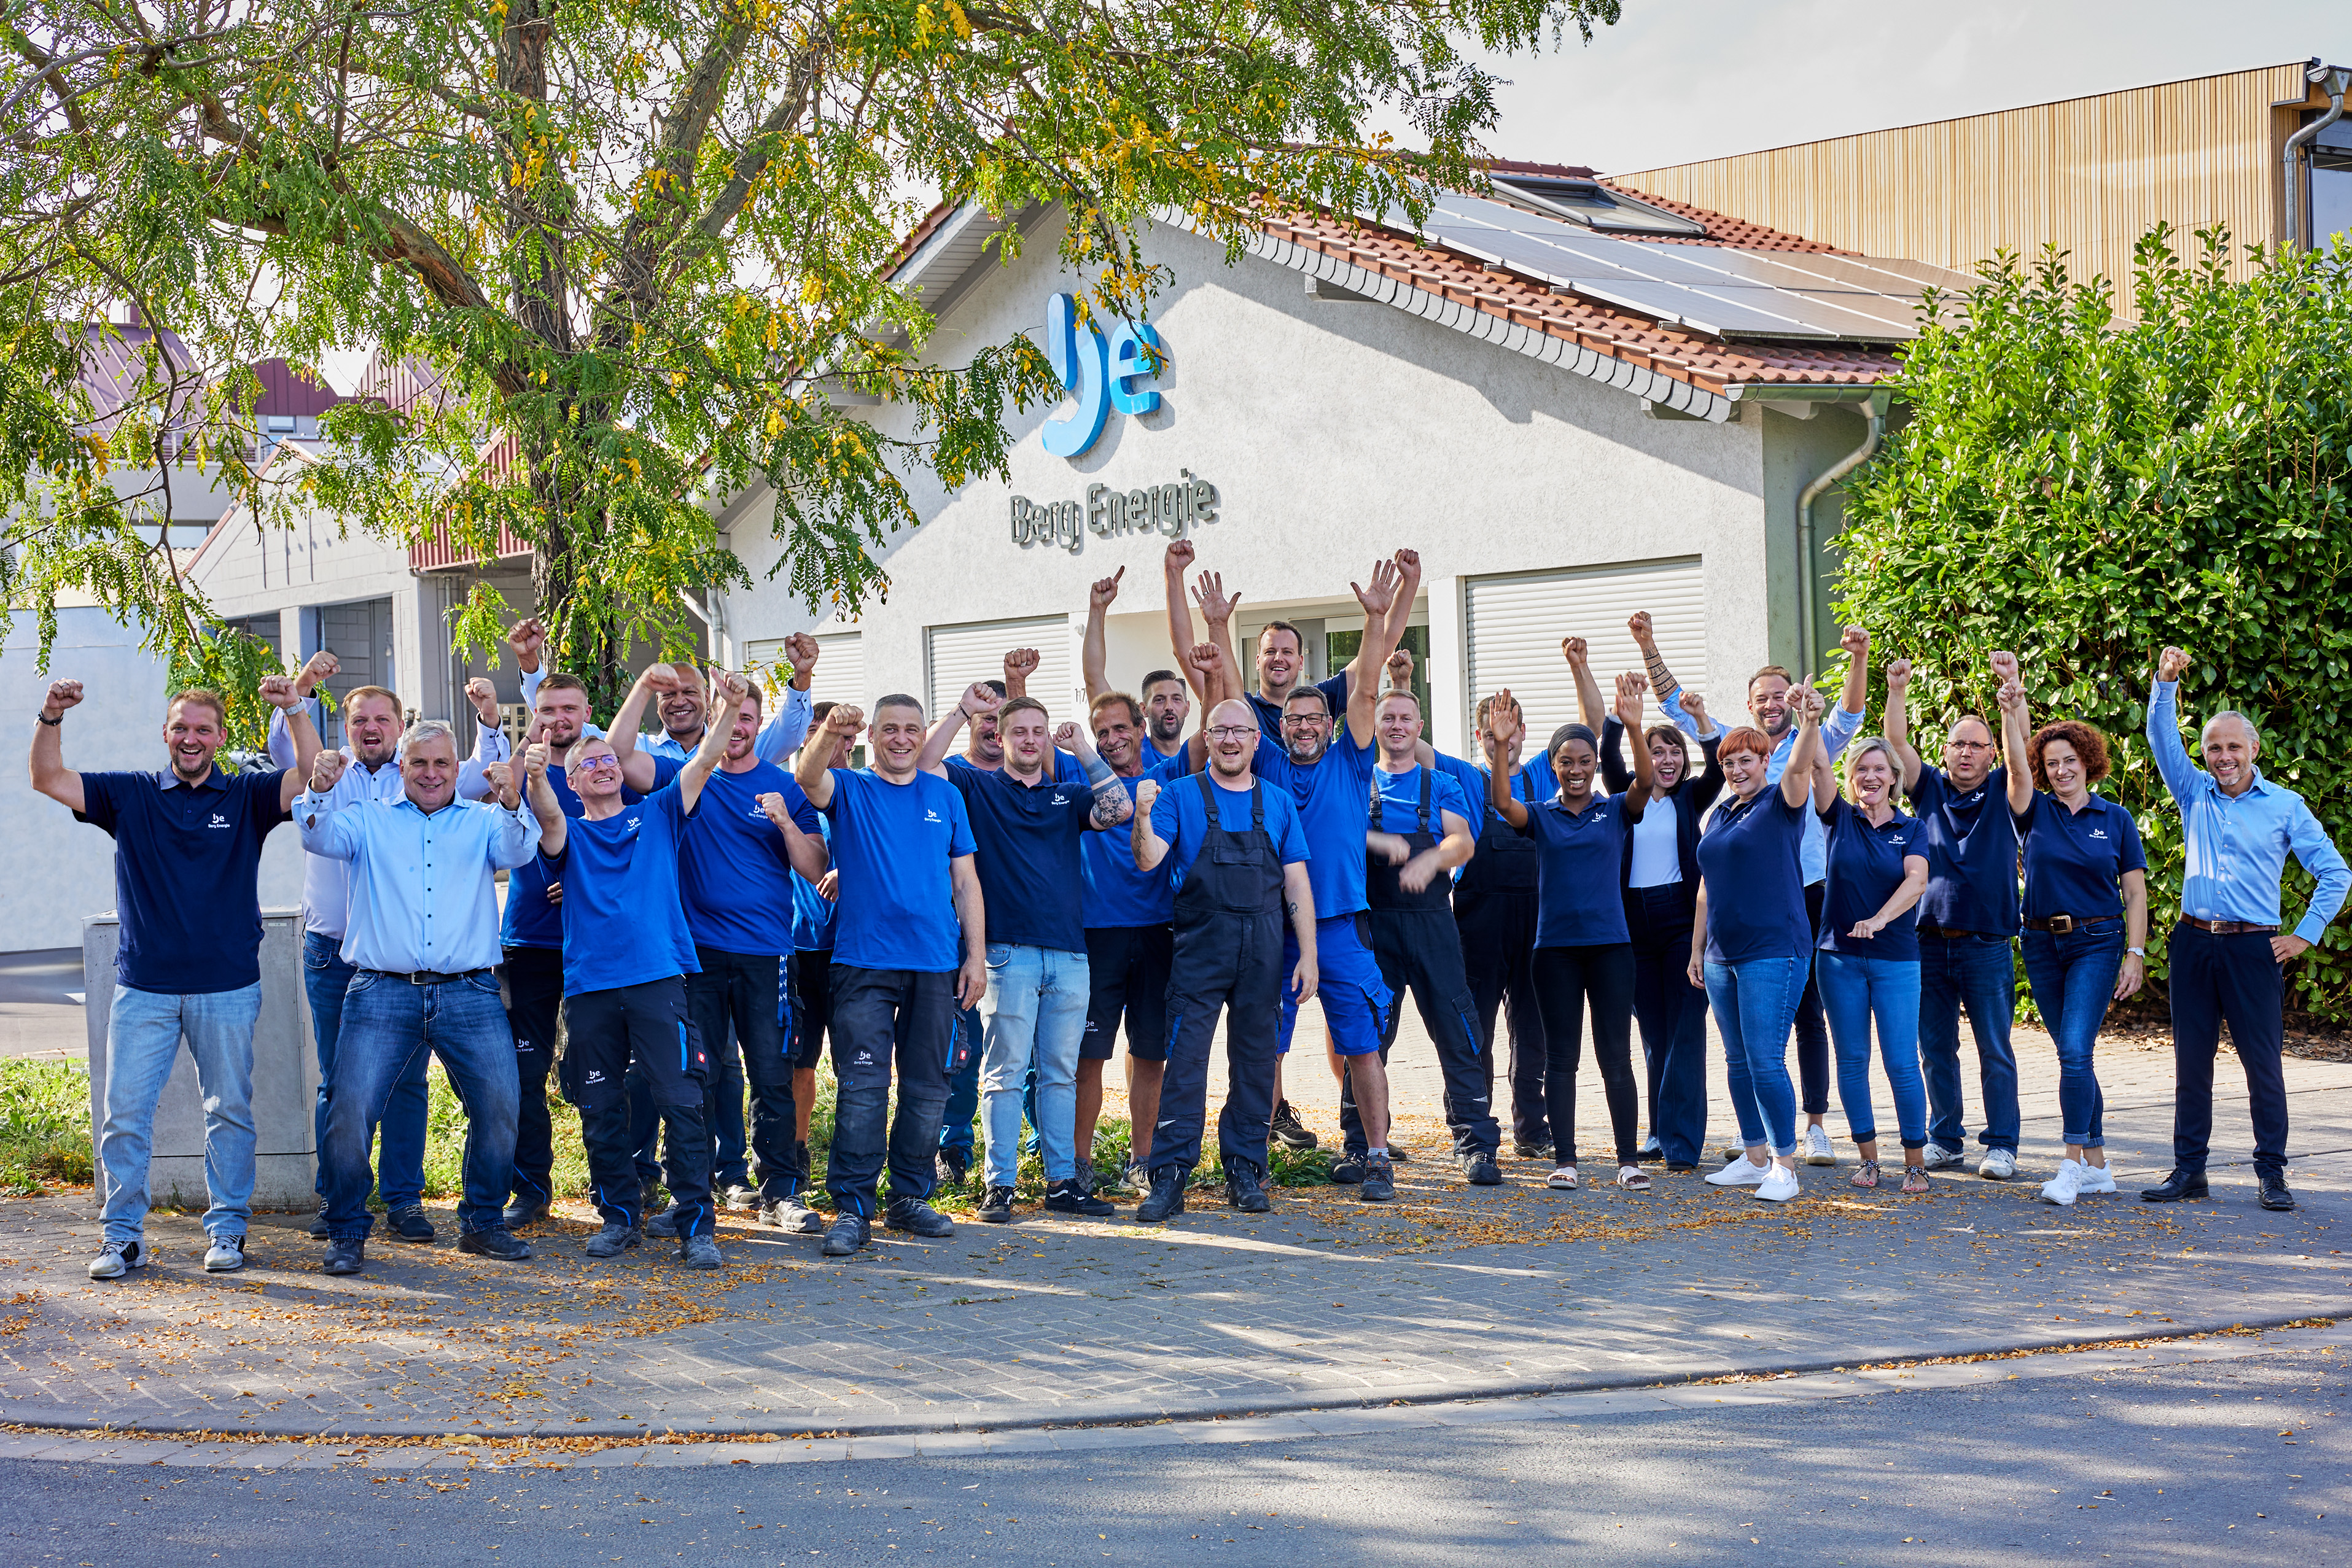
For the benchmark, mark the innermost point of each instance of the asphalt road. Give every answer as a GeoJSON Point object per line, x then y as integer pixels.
{"type": "Point", "coordinates": [2237, 1462]}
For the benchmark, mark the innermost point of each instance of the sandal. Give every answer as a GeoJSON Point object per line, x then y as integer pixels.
{"type": "Point", "coordinates": [1563, 1179]}
{"type": "Point", "coordinates": [1915, 1179]}
{"type": "Point", "coordinates": [1866, 1174]}
{"type": "Point", "coordinates": [1632, 1178]}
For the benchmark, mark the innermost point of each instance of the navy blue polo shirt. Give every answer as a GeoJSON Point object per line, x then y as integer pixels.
{"type": "Point", "coordinates": [1972, 843]}
{"type": "Point", "coordinates": [624, 924]}
{"type": "Point", "coordinates": [812, 911]}
{"type": "Point", "coordinates": [1269, 712]}
{"type": "Point", "coordinates": [1116, 892]}
{"type": "Point", "coordinates": [1751, 859]}
{"type": "Point", "coordinates": [187, 863]}
{"type": "Point", "coordinates": [1865, 867]}
{"type": "Point", "coordinates": [734, 873]}
{"type": "Point", "coordinates": [530, 921]}
{"type": "Point", "coordinates": [1181, 821]}
{"type": "Point", "coordinates": [1334, 797]}
{"type": "Point", "coordinates": [1401, 802]}
{"type": "Point", "coordinates": [2074, 860]}
{"type": "Point", "coordinates": [1028, 856]}
{"type": "Point", "coordinates": [1068, 769]}
{"type": "Point", "coordinates": [1579, 897]}
{"type": "Point", "coordinates": [892, 844]}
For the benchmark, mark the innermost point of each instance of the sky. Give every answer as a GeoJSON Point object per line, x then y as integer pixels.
{"type": "Point", "coordinates": [1676, 80]}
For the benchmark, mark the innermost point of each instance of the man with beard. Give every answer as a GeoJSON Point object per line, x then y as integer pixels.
{"type": "Point", "coordinates": [682, 706]}
{"type": "Point", "coordinates": [187, 859]}
{"type": "Point", "coordinates": [753, 833]}
{"type": "Point", "coordinates": [1167, 703]}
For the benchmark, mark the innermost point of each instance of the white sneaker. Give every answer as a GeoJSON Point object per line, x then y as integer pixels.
{"type": "Point", "coordinates": [1818, 1150]}
{"type": "Point", "coordinates": [1938, 1155]}
{"type": "Point", "coordinates": [2061, 1189]}
{"type": "Point", "coordinates": [1741, 1171]}
{"type": "Point", "coordinates": [225, 1255]}
{"type": "Point", "coordinates": [2094, 1179]}
{"type": "Point", "coordinates": [1999, 1165]}
{"type": "Point", "coordinates": [117, 1259]}
{"type": "Point", "coordinates": [1779, 1185]}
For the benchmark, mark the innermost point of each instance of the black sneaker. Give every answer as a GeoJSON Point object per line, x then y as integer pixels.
{"type": "Point", "coordinates": [1072, 1197]}
{"type": "Point", "coordinates": [957, 1165]}
{"type": "Point", "coordinates": [665, 1224]}
{"type": "Point", "coordinates": [1478, 1166]}
{"type": "Point", "coordinates": [501, 1244]}
{"type": "Point", "coordinates": [1245, 1187]}
{"type": "Point", "coordinates": [346, 1256]}
{"type": "Point", "coordinates": [615, 1239]}
{"type": "Point", "coordinates": [318, 1222]}
{"type": "Point", "coordinates": [408, 1223]}
{"type": "Point", "coordinates": [1288, 1130]}
{"type": "Point", "coordinates": [850, 1231]}
{"type": "Point", "coordinates": [1349, 1169]}
{"type": "Point", "coordinates": [1166, 1200]}
{"type": "Point", "coordinates": [523, 1211]}
{"type": "Point", "coordinates": [1380, 1180]}
{"type": "Point", "coordinates": [996, 1206]}
{"type": "Point", "coordinates": [1528, 1151]}
{"type": "Point", "coordinates": [916, 1217]}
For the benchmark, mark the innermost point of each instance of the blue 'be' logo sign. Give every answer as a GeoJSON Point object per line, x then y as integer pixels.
{"type": "Point", "coordinates": [1101, 376]}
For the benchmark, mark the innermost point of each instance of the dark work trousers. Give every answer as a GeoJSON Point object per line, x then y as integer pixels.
{"type": "Point", "coordinates": [1228, 958]}
{"type": "Point", "coordinates": [1568, 981]}
{"type": "Point", "coordinates": [1498, 946]}
{"type": "Point", "coordinates": [742, 989]}
{"type": "Point", "coordinates": [722, 1113]}
{"type": "Point", "coordinates": [1421, 948]}
{"type": "Point", "coordinates": [644, 1027]}
{"type": "Point", "coordinates": [1813, 1076]}
{"type": "Point", "coordinates": [1673, 1015]}
{"type": "Point", "coordinates": [531, 985]}
{"type": "Point", "coordinates": [882, 1017]}
{"type": "Point", "coordinates": [2227, 979]}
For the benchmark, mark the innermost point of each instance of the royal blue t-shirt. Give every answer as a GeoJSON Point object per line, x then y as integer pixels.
{"type": "Point", "coordinates": [1751, 859]}
{"type": "Point", "coordinates": [1334, 798]}
{"type": "Point", "coordinates": [1028, 856]}
{"type": "Point", "coordinates": [622, 922]}
{"type": "Point", "coordinates": [734, 873]}
{"type": "Point", "coordinates": [1401, 802]}
{"type": "Point", "coordinates": [892, 844]}
{"type": "Point", "coordinates": [187, 863]}
{"type": "Point", "coordinates": [2074, 860]}
{"type": "Point", "coordinates": [530, 921]}
{"type": "Point", "coordinates": [1532, 781]}
{"type": "Point", "coordinates": [1865, 867]}
{"type": "Point", "coordinates": [1580, 855]}
{"type": "Point", "coordinates": [1181, 821]}
{"type": "Point", "coordinates": [1269, 712]}
{"type": "Point", "coordinates": [1118, 893]}
{"type": "Point", "coordinates": [812, 911]}
{"type": "Point", "coordinates": [1972, 843]}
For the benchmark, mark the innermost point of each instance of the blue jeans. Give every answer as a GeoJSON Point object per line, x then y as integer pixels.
{"type": "Point", "coordinates": [1854, 990]}
{"type": "Point", "coordinates": [325, 976]}
{"type": "Point", "coordinates": [1035, 1013]}
{"type": "Point", "coordinates": [143, 1030]}
{"type": "Point", "coordinates": [963, 1089]}
{"type": "Point", "coordinates": [1755, 1005]}
{"type": "Point", "coordinates": [1979, 975]}
{"type": "Point", "coordinates": [389, 1026]}
{"type": "Point", "coordinates": [2073, 979]}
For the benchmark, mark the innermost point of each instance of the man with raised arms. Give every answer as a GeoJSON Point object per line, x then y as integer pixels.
{"type": "Point", "coordinates": [1166, 702]}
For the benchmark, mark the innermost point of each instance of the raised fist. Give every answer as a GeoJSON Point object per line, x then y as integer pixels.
{"type": "Point", "coordinates": [1401, 670]}
{"type": "Point", "coordinates": [278, 692]}
{"type": "Point", "coordinates": [1408, 562]}
{"type": "Point", "coordinates": [660, 676]}
{"type": "Point", "coordinates": [2004, 666]}
{"type": "Point", "coordinates": [1205, 657]}
{"type": "Point", "coordinates": [321, 666]}
{"type": "Point", "coordinates": [1179, 558]}
{"type": "Point", "coordinates": [2010, 696]}
{"type": "Point", "coordinates": [1146, 793]}
{"type": "Point", "coordinates": [1576, 650]}
{"type": "Point", "coordinates": [1640, 626]}
{"type": "Point", "coordinates": [485, 698]}
{"type": "Point", "coordinates": [977, 702]}
{"type": "Point", "coordinates": [325, 768]}
{"type": "Point", "coordinates": [773, 805]}
{"type": "Point", "coordinates": [842, 720]}
{"type": "Point", "coordinates": [800, 650]}
{"type": "Point", "coordinates": [732, 689]}
{"type": "Point", "coordinates": [1898, 674]}
{"type": "Point", "coordinates": [63, 695]}
{"type": "Point", "coordinates": [1695, 706]}
{"type": "Point", "coordinates": [1020, 663]}
{"type": "Point", "coordinates": [1106, 589]}
{"type": "Point", "coordinates": [1069, 737]}
{"type": "Point", "coordinates": [534, 760]}
{"type": "Point", "coordinates": [500, 777]}
{"type": "Point", "coordinates": [1805, 701]}
{"type": "Point", "coordinates": [2170, 663]}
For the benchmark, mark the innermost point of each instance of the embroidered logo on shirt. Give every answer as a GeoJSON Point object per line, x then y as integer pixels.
{"type": "Point", "coordinates": [1060, 799]}
{"type": "Point", "coordinates": [631, 825]}
{"type": "Point", "coordinates": [219, 821]}
{"type": "Point", "coordinates": [930, 816]}
{"type": "Point", "coordinates": [2098, 832]}
{"type": "Point", "coordinates": [595, 1075]}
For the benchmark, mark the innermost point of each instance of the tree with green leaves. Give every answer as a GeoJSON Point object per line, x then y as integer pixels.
{"type": "Point", "coordinates": [631, 255]}
{"type": "Point", "coordinates": [2085, 488]}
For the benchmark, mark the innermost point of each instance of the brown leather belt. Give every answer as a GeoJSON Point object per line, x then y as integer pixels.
{"type": "Point", "coordinates": [2230, 928]}
{"type": "Point", "coordinates": [1948, 934]}
{"type": "Point", "coordinates": [2060, 924]}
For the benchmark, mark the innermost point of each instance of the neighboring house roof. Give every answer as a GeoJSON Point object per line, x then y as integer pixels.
{"type": "Point", "coordinates": [114, 363]}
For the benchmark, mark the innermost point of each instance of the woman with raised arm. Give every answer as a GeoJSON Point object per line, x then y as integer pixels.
{"type": "Point", "coordinates": [1583, 954]}
{"type": "Point", "coordinates": [1751, 947]}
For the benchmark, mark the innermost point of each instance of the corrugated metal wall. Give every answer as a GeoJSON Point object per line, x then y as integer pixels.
{"type": "Point", "coordinates": [2090, 173]}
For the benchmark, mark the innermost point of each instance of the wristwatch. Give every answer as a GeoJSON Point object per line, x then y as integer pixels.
{"type": "Point", "coordinates": [2137, 952]}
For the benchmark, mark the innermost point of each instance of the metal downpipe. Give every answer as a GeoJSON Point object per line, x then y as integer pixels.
{"type": "Point", "coordinates": [2331, 80]}
{"type": "Point", "coordinates": [1808, 574]}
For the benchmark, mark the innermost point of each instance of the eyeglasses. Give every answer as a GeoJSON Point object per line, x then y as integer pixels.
{"type": "Point", "coordinates": [1968, 746]}
{"type": "Point", "coordinates": [1306, 720]}
{"type": "Point", "coordinates": [1232, 731]}
{"type": "Point", "coordinates": [607, 763]}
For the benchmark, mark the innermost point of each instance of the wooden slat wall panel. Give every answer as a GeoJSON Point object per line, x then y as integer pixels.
{"type": "Point", "coordinates": [2090, 173]}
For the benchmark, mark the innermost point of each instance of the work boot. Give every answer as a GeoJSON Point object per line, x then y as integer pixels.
{"type": "Point", "coordinates": [348, 1256]}
{"type": "Point", "coordinates": [523, 1211]}
{"type": "Point", "coordinates": [665, 1224]}
{"type": "Point", "coordinates": [850, 1231]}
{"type": "Point", "coordinates": [1478, 1166]}
{"type": "Point", "coordinates": [1349, 1169]}
{"type": "Point", "coordinates": [318, 1222]}
{"type": "Point", "coordinates": [1380, 1180]}
{"type": "Point", "coordinates": [499, 1243]}
{"type": "Point", "coordinates": [792, 1215]}
{"type": "Point", "coordinates": [1072, 1197]}
{"type": "Point", "coordinates": [700, 1253]}
{"type": "Point", "coordinates": [615, 1239]}
{"type": "Point", "coordinates": [1166, 1200]}
{"type": "Point", "coordinates": [1288, 1130]}
{"type": "Point", "coordinates": [1245, 1187]}
{"type": "Point", "coordinates": [916, 1217]}
{"type": "Point", "coordinates": [408, 1222]}
{"type": "Point", "coordinates": [956, 1165]}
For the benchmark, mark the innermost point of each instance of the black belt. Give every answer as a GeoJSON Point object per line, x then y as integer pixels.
{"type": "Point", "coordinates": [2229, 928]}
{"type": "Point", "coordinates": [1947, 933]}
{"type": "Point", "coordinates": [425, 976]}
{"type": "Point", "coordinates": [2060, 924]}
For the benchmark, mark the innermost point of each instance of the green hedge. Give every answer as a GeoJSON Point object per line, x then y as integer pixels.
{"type": "Point", "coordinates": [2085, 488]}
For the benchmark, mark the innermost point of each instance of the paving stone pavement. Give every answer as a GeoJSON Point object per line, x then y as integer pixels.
{"type": "Point", "coordinates": [1451, 1292]}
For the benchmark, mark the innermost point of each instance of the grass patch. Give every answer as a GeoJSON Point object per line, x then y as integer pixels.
{"type": "Point", "coordinates": [44, 1127]}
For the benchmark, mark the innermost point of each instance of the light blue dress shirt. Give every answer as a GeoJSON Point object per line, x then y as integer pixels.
{"type": "Point", "coordinates": [777, 740]}
{"type": "Point", "coordinates": [423, 892]}
{"type": "Point", "coordinates": [1839, 727]}
{"type": "Point", "coordinates": [325, 883]}
{"type": "Point", "coordinates": [2238, 846]}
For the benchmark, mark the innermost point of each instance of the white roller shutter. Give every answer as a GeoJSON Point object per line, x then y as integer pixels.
{"type": "Point", "coordinates": [840, 666]}
{"type": "Point", "coordinates": [955, 656]}
{"type": "Point", "coordinates": [1515, 625]}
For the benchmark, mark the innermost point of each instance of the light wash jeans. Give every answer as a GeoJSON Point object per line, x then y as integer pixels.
{"type": "Point", "coordinates": [143, 1030]}
{"type": "Point", "coordinates": [1755, 1005]}
{"type": "Point", "coordinates": [1035, 1011]}
{"type": "Point", "coordinates": [1855, 989]}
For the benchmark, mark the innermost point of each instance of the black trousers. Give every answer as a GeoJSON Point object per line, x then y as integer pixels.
{"type": "Point", "coordinates": [644, 1027]}
{"type": "Point", "coordinates": [1498, 944]}
{"type": "Point", "coordinates": [1231, 965]}
{"type": "Point", "coordinates": [743, 989]}
{"type": "Point", "coordinates": [531, 984]}
{"type": "Point", "coordinates": [1673, 1015]}
{"type": "Point", "coordinates": [881, 1017]}
{"type": "Point", "coordinates": [1568, 979]}
{"type": "Point", "coordinates": [1812, 1029]}
{"type": "Point", "coordinates": [2233, 980]}
{"type": "Point", "coordinates": [1421, 948]}
{"type": "Point", "coordinates": [812, 1008]}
